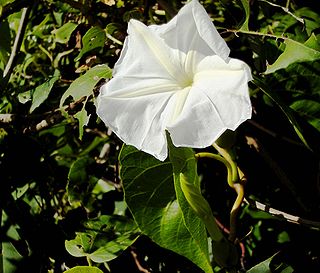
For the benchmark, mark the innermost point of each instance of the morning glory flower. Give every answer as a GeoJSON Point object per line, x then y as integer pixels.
{"type": "Point", "coordinates": [176, 77]}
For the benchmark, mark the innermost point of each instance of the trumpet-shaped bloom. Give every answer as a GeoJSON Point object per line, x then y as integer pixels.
{"type": "Point", "coordinates": [176, 77]}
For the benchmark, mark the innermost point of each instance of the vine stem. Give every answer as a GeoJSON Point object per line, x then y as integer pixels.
{"type": "Point", "coordinates": [235, 31]}
{"type": "Point", "coordinates": [222, 160]}
{"type": "Point", "coordinates": [234, 173]}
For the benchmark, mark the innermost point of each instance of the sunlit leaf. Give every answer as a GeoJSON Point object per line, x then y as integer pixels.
{"type": "Point", "coordinates": [105, 238]}
{"type": "Point", "coordinates": [41, 93]}
{"type": "Point", "coordinates": [246, 7]}
{"type": "Point", "coordinates": [296, 52]}
{"type": "Point", "coordinates": [94, 38]}
{"type": "Point", "coordinates": [83, 118]}
{"type": "Point", "coordinates": [150, 195]}
{"type": "Point", "coordinates": [83, 86]}
{"type": "Point", "coordinates": [84, 269]}
{"type": "Point", "coordinates": [62, 34]}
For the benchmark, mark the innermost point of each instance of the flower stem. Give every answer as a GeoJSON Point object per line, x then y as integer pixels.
{"type": "Point", "coordinates": [89, 261]}
{"type": "Point", "coordinates": [227, 158]}
{"type": "Point", "coordinates": [222, 160]}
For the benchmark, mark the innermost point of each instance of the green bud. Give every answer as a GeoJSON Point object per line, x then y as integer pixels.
{"type": "Point", "coordinates": [194, 197]}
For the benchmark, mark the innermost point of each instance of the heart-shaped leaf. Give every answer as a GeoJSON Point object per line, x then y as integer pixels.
{"type": "Point", "coordinates": [151, 197]}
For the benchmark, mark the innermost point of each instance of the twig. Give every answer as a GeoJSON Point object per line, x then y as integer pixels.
{"type": "Point", "coordinates": [235, 180]}
{"type": "Point", "coordinates": [139, 266]}
{"type": "Point", "coordinates": [285, 9]}
{"type": "Point", "coordinates": [17, 42]}
{"type": "Point", "coordinates": [241, 245]}
{"type": "Point", "coordinates": [235, 31]}
{"type": "Point", "coordinates": [283, 215]}
{"type": "Point", "coordinates": [51, 118]}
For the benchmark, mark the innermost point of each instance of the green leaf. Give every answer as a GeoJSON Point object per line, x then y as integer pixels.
{"type": "Point", "coordinates": [80, 182]}
{"type": "Point", "coordinates": [263, 267]}
{"type": "Point", "coordinates": [296, 52]}
{"type": "Point", "coordinates": [284, 108]}
{"type": "Point", "coordinates": [196, 211]}
{"type": "Point", "coordinates": [62, 34]}
{"type": "Point", "coordinates": [84, 269]}
{"type": "Point", "coordinates": [150, 195]}
{"type": "Point", "coordinates": [5, 43]}
{"type": "Point", "coordinates": [79, 246]}
{"type": "Point", "coordinates": [41, 93]}
{"type": "Point", "coordinates": [246, 7]}
{"type": "Point", "coordinates": [106, 237]}
{"type": "Point", "coordinates": [83, 118]}
{"type": "Point", "coordinates": [310, 109]}
{"type": "Point", "coordinates": [94, 38]}
{"type": "Point", "coordinates": [83, 86]}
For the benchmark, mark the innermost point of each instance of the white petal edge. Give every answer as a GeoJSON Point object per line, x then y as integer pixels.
{"type": "Point", "coordinates": [192, 29]}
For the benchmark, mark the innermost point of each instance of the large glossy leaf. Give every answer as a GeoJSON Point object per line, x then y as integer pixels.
{"type": "Point", "coordinates": [151, 197]}
{"type": "Point", "coordinates": [296, 52]}
{"type": "Point", "coordinates": [196, 211]}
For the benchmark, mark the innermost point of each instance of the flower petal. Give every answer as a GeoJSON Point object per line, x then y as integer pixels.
{"type": "Point", "coordinates": [135, 102]}
{"type": "Point", "coordinates": [138, 121]}
{"type": "Point", "coordinates": [146, 56]}
{"type": "Point", "coordinates": [218, 100]}
{"type": "Point", "coordinates": [192, 30]}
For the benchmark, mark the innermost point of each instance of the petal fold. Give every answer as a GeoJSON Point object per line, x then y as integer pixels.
{"type": "Point", "coordinates": [192, 29]}
{"type": "Point", "coordinates": [138, 121]}
{"type": "Point", "coordinates": [218, 100]}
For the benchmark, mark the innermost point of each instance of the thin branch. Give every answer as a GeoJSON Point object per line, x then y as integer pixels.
{"type": "Point", "coordinates": [283, 215]}
{"type": "Point", "coordinates": [16, 45]}
{"type": "Point", "coordinates": [236, 31]}
{"type": "Point", "coordinates": [137, 262]}
{"type": "Point", "coordinates": [286, 10]}
{"type": "Point", "coordinates": [51, 118]}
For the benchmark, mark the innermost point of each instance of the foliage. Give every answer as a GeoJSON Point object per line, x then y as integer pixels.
{"type": "Point", "coordinates": [64, 191]}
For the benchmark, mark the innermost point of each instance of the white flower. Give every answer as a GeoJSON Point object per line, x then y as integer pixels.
{"type": "Point", "coordinates": [175, 77]}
